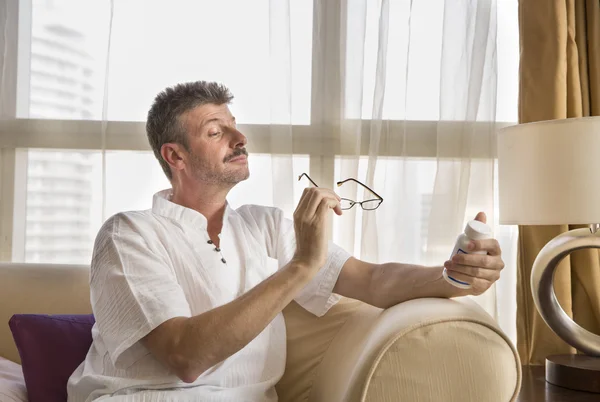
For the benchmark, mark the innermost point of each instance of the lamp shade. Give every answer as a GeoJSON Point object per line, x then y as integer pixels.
{"type": "Point", "coordinates": [549, 172]}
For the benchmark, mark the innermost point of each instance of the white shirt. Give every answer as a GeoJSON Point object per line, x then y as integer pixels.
{"type": "Point", "coordinates": [150, 266]}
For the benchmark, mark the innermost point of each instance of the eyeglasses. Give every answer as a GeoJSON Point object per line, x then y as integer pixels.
{"type": "Point", "coordinates": [367, 205]}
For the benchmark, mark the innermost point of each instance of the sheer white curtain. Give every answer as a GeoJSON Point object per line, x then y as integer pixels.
{"type": "Point", "coordinates": [402, 95]}
{"type": "Point", "coordinates": [417, 115]}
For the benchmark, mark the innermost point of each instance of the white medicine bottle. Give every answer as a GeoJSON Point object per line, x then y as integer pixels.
{"type": "Point", "coordinates": [474, 230]}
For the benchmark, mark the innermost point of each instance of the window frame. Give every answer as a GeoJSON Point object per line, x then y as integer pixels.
{"type": "Point", "coordinates": [322, 141]}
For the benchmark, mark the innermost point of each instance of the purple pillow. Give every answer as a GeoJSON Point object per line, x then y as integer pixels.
{"type": "Point", "coordinates": [51, 348]}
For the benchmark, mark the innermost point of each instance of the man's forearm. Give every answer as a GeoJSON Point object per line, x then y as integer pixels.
{"type": "Point", "coordinates": [393, 283]}
{"type": "Point", "coordinates": [211, 337]}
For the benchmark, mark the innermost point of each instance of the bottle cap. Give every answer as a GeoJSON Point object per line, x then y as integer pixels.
{"type": "Point", "coordinates": [478, 230]}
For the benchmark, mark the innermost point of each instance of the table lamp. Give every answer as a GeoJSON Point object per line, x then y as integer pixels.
{"type": "Point", "coordinates": [549, 174]}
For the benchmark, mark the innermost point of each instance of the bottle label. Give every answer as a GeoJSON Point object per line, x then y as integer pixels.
{"type": "Point", "coordinates": [459, 251]}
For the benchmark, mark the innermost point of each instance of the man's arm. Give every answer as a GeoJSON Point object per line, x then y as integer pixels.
{"type": "Point", "coordinates": [190, 346]}
{"type": "Point", "coordinates": [385, 285]}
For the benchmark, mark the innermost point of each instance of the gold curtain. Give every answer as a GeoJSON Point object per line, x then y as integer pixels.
{"type": "Point", "coordinates": [559, 77]}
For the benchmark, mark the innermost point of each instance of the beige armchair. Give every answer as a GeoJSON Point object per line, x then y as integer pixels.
{"type": "Point", "coordinates": [434, 350]}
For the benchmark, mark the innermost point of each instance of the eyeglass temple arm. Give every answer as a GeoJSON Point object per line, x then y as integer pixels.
{"type": "Point", "coordinates": [339, 183]}
{"type": "Point", "coordinates": [309, 179]}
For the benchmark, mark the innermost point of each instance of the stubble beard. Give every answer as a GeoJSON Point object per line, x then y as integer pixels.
{"type": "Point", "coordinates": [204, 173]}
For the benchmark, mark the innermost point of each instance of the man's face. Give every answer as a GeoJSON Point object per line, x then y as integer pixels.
{"type": "Point", "coordinates": [217, 150]}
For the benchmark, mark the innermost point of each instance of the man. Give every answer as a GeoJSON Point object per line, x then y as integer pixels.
{"type": "Point", "coordinates": [188, 307]}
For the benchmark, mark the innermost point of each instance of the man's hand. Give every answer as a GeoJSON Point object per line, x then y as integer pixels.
{"type": "Point", "coordinates": [480, 270]}
{"type": "Point", "coordinates": [311, 220]}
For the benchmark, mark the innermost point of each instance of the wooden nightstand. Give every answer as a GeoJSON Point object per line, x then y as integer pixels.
{"type": "Point", "coordinates": [536, 389]}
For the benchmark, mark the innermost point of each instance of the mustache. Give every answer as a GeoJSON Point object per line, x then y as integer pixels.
{"type": "Point", "coordinates": [236, 153]}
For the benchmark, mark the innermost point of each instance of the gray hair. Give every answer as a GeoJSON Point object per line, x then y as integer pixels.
{"type": "Point", "coordinates": [163, 124]}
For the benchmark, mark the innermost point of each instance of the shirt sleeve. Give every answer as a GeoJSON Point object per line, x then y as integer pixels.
{"type": "Point", "coordinates": [133, 289]}
{"type": "Point", "coordinates": [317, 296]}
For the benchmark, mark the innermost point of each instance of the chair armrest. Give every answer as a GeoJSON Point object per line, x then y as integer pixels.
{"type": "Point", "coordinates": [425, 350]}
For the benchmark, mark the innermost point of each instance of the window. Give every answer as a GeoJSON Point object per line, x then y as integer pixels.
{"type": "Point", "coordinates": [423, 71]}
{"type": "Point", "coordinates": [73, 102]}
{"type": "Point", "coordinates": [65, 199]}
{"type": "Point", "coordinates": [406, 207]}
{"type": "Point", "coordinates": [69, 47]}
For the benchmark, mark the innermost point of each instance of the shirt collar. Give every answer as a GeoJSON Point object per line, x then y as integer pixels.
{"type": "Point", "coordinates": [162, 205]}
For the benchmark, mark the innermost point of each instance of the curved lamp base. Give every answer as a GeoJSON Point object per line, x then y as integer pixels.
{"type": "Point", "coordinates": [566, 370]}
